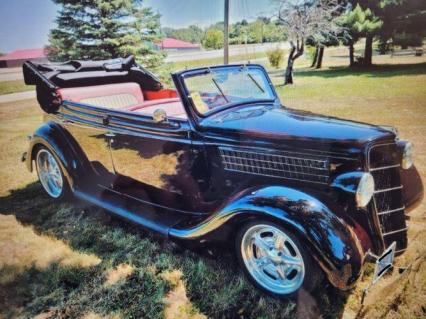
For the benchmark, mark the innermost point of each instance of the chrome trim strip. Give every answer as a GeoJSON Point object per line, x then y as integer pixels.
{"type": "Point", "coordinates": [398, 251]}
{"type": "Point", "coordinates": [391, 211]}
{"type": "Point", "coordinates": [384, 167]}
{"type": "Point", "coordinates": [369, 151]}
{"type": "Point", "coordinates": [259, 174]}
{"type": "Point", "coordinates": [387, 189]}
{"type": "Point", "coordinates": [395, 231]}
{"type": "Point", "coordinates": [270, 169]}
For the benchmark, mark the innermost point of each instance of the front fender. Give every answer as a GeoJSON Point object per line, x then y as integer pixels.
{"type": "Point", "coordinates": [62, 145]}
{"type": "Point", "coordinates": [332, 243]}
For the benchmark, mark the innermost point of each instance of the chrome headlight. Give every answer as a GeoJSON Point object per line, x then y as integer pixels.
{"type": "Point", "coordinates": [407, 156]}
{"type": "Point", "coordinates": [365, 190]}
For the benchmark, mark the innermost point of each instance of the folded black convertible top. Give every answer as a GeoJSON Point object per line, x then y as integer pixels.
{"type": "Point", "coordinates": [49, 77]}
{"type": "Point", "coordinates": [78, 73]}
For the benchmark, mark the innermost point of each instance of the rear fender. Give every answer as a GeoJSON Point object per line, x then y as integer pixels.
{"type": "Point", "coordinates": [73, 162]}
{"type": "Point", "coordinates": [333, 244]}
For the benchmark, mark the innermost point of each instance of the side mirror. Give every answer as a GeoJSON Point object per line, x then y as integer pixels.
{"type": "Point", "coordinates": [159, 116]}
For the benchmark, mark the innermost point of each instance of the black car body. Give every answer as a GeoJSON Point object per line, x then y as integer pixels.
{"type": "Point", "coordinates": [199, 177]}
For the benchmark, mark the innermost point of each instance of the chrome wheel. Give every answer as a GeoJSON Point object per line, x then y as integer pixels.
{"type": "Point", "coordinates": [49, 173]}
{"type": "Point", "coordinates": [272, 259]}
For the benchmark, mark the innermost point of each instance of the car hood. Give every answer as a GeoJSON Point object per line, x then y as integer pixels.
{"type": "Point", "coordinates": [278, 123]}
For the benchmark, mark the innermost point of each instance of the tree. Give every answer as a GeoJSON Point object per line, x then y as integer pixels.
{"type": "Point", "coordinates": [213, 39]}
{"type": "Point", "coordinates": [101, 29]}
{"type": "Point", "coordinates": [193, 34]}
{"type": "Point", "coordinates": [359, 23]}
{"type": "Point", "coordinates": [303, 19]}
{"type": "Point", "coordinates": [325, 41]}
{"type": "Point", "coordinates": [403, 22]}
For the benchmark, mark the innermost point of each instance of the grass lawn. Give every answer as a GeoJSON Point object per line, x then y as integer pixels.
{"type": "Point", "coordinates": [70, 260]}
{"type": "Point", "coordinates": [7, 87]}
{"type": "Point", "coordinates": [182, 65]}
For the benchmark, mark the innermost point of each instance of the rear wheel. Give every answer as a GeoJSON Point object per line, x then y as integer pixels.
{"type": "Point", "coordinates": [275, 260]}
{"type": "Point", "coordinates": [50, 174]}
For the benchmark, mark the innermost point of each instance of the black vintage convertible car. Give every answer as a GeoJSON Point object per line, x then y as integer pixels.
{"type": "Point", "coordinates": [220, 161]}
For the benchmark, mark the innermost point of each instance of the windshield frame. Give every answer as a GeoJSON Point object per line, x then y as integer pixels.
{"type": "Point", "coordinates": [206, 70]}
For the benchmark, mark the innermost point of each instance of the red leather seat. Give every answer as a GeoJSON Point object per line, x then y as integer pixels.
{"type": "Point", "coordinates": [115, 96]}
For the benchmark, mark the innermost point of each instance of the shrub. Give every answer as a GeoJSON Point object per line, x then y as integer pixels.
{"type": "Point", "coordinates": [213, 39]}
{"type": "Point", "coordinates": [275, 57]}
{"type": "Point", "coordinates": [406, 40]}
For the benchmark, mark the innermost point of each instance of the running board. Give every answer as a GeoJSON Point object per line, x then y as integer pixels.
{"type": "Point", "coordinates": [144, 215]}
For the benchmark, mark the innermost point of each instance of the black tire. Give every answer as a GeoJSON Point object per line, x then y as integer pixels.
{"type": "Point", "coordinates": [313, 275]}
{"type": "Point", "coordinates": [65, 192]}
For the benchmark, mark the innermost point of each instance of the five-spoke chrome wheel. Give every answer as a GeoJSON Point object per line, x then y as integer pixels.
{"type": "Point", "coordinates": [272, 259]}
{"type": "Point", "coordinates": [49, 173]}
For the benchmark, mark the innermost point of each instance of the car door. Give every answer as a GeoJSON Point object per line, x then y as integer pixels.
{"type": "Point", "coordinates": [158, 163]}
{"type": "Point", "coordinates": [87, 126]}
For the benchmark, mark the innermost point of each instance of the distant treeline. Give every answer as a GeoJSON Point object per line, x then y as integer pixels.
{"type": "Point", "coordinates": [259, 31]}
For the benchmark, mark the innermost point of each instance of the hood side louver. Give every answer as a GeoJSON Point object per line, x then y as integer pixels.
{"type": "Point", "coordinates": [282, 165]}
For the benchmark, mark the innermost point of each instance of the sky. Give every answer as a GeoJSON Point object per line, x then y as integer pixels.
{"type": "Point", "coordinates": [25, 24]}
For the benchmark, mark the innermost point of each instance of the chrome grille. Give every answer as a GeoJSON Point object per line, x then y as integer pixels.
{"type": "Point", "coordinates": [283, 165]}
{"type": "Point", "coordinates": [387, 200]}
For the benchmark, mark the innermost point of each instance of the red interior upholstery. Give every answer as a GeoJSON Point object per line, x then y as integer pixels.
{"type": "Point", "coordinates": [81, 93]}
{"type": "Point", "coordinates": [173, 107]}
{"type": "Point", "coordinates": [162, 94]}
{"type": "Point", "coordinates": [165, 99]}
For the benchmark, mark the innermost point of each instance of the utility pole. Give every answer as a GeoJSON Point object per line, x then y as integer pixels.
{"type": "Point", "coordinates": [226, 34]}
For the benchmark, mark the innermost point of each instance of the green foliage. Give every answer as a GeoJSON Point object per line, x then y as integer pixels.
{"type": "Point", "coordinates": [403, 21]}
{"type": "Point", "coordinates": [100, 29]}
{"type": "Point", "coordinates": [359, 22]}
{"type": "Point", "coordinates": [259, 31]}
{"type": "Point", "coordinates": [193, 34]}
{"type": "Point", "coordinates": [275, 57]}
{"type": "Point", "coordinates": [310, 52]}
{"type": "Point", "coordinates": [213, 39]}
{"type": "Point", "coordinates": [408, 40]}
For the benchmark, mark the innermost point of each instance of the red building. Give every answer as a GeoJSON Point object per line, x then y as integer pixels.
{"type": "Point", "coordinates": [18, 57]}
{"type": "Point", "coordinates": [171, 44]}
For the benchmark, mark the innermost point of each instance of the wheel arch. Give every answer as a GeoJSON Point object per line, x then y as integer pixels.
{"type": "Point", "coordinates": [56, 139]}
{"type": "Point", "coordinates": [333, 244]}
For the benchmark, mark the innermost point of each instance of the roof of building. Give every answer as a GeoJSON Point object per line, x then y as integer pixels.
{"type": "Point", "coordinates": [170, 43]}
{"type": "Point", "coordinates": [23, 54]}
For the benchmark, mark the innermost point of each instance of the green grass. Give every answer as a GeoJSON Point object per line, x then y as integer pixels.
{"type": "Point", "coordinates": [214, 61]}
{"type": "Point", "coordinates": [393, 95]}
{"type": "Point", "coordinates": [7, 87]}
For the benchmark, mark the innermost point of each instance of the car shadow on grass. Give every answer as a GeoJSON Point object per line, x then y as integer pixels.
{"type": "Point", "coordinates": [214, 285]}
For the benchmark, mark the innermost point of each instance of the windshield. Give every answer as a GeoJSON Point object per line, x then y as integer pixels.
{"type": "Point", "coordinates": [221, 87]}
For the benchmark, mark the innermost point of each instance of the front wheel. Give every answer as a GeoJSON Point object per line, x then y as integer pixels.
{"type": "Point", "coordinates": [275, 260]}
{"type": "Point", "coordinates": [50, 174]}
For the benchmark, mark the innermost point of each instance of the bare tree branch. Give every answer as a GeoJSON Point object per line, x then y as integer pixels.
{"type": "Point", "coordinates": [308, 19]}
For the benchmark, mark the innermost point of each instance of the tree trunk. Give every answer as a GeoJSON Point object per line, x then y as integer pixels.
{"type": "Point", "coordinates": [315, 58]}
{"type": "Point", "coordinates": [368, 53]}
{"type": "Point", "coordinates": [288, 76]}
{"type": "Point", "coordinates": [351, 54]}
{"type": "Point", "coordinates": [295, 52]}
{"type": "Point", "coordinates": [320, 57]}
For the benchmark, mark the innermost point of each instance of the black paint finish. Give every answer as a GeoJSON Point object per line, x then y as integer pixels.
{"type": "Point", "coordinates": [198, 180]}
